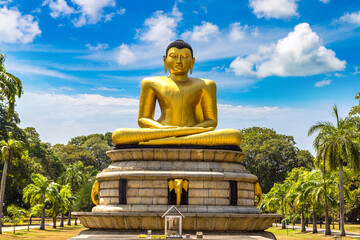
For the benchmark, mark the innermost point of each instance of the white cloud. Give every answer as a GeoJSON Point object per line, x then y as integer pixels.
{"type": "Point", "coordinates": [237, 32]}
{"type": "Point", "coordinates": [125, 55]}
{"type": "Point", "coordinates": [99, 46]}
{"type": "Point", "coordinates": [323, 83]}
{"type": "Point", "coordinates": [91, 11]}
{"type": "Point", "coordinates": [202, 33]}
{"type": "Point", "coordinates": [353, 18]}
{"type": "Point", "coordinates": [339, 75]}
{"type": "Point", "coordinates": [108, 17]}
{"type": "Point", "coordinates": [300, 53]}
{"type": "Point", "coordinates": [62, 88]}
{"type": "Point", "coordinates": [86, 11]}
{"type": "Point", "coordinates": [58, 8]}
{"type": "Point", "coordinates": [357, 70]}
{"type": "Point", "coordinates": [15, 27]}
{"type": "Point", "coordinates": [325, 1]}
{"type": "Point", "coordinates": [36, 70]}
{"type": "Point", "coordinates": [121, 11]}
{"type": "Point", "coordinates": [36, 10]}
{"type": "Point", "coordinates": [5, 2]}
{"type": "Point", "coordinates": [161, 27]}
{"type": "Point", "coordinates": [274, 8]}
{"type": "Point", "coordinates": [108, 89]}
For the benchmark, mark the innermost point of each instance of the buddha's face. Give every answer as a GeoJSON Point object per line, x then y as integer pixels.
{"type": "Point", "coordinates": [179, 61]}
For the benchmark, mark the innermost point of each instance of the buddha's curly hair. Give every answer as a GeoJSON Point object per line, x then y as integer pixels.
{"type": "Point", "coordinates": [180, 44]}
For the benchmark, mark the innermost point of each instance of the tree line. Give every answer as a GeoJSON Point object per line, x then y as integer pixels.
{"type": "Point", "coordinates": [40, 179]}
{"type": "Point", "coordinates": [330, 190]}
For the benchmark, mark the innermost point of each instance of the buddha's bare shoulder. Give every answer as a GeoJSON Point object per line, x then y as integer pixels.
{"type": "Point", "coordinates": [205, 82]}
{"type": "Point", "coordinates": [151, 82]}
{"type": "Point", "coordinates": [153, 79]}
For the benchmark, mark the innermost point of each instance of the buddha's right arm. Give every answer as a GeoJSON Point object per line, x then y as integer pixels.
{"type": "Point", "coordinates": [150, 123]}
{"type": "Point", "coordinates": [147, 105]}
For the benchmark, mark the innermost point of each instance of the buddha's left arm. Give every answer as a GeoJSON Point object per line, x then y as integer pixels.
{"type": "Point", "coordinates": [208, 105]}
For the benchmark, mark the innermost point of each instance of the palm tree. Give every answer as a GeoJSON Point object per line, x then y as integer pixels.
{"type": "Point", "coordinates": [301, 195]}
{"type": "Point", "coordinates": [10, 87]}
{"type": "Point", "coordinates": [294, 196]}
{"type": "Point", "coordinates": [314, 188]}
{"type": "Point", "coordinates": [9, 149]}
{"type": "Point", "coordinates": [33, 211]}
{"type": "Point", "coordinates": [334, 145]}
{"type": "Point", "coordinates": [37, 193]}
{"type": "Point", "coordinates": [74, 175]}
{"type": "Point", "coordinates": [66, 198]}
{"type": "Point", "coordinates": [59, 198]}
{"type": "Point", "coordinates": [17, 215]}
{"type": "Point", "coordinates": [275, 199]}
{"type": "Point", "coordinates": [55, 200]}
{"type": "Point", "coordinates": [356, 109]}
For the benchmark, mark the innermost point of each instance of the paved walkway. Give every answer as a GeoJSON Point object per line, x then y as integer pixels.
{"type": "Point", "coordinates": [25, 227]}
{"type": "Point", "coordinates": [321, 230]}
{"type": "Point", "coordinates": [122, 235]}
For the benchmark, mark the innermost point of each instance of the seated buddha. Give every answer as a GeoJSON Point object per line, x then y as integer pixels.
{"type": "Point", "coordinates": [188, 107]}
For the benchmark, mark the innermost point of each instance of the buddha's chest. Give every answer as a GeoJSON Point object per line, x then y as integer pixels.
{"type": "Point", "coordinates": [179, 94]}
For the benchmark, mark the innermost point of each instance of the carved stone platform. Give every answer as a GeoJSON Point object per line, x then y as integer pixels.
{"type": "Point", "coordinates": [147, 172]}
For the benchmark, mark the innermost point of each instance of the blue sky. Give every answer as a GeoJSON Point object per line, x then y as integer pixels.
{"type": "Point", "coordinates": [280, 64]}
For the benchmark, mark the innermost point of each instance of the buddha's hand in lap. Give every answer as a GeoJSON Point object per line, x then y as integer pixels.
{"type": "Point", "coordinates": [197, 128]}
{"type": "Point", "coordinates": [168, 127]}
{"type": "Point", "coordinates": [205, 129]}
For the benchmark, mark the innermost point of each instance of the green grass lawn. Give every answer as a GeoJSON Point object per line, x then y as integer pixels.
{"type": "Point", "coordinates": [72, 231]}
{"type": "Point", "coordinates": [348, 227]}
{"type": "Point", "coordinates": [50, 233]}
{"type": "Point", "coordinates": [289, 234]}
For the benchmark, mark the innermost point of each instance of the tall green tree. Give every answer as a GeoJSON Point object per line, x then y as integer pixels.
{"type": "Point", "coordinates": [59, 199]}
{"type": "Point", "coordinates": [9, 150]}
{"type": "Point", "coordinates": [296, 178]}
{"type": "Point", "coordinates": [16, 215]}
{"type": "Point", "coordinates": [313, 187]}
{"type": "Point", "coordinates": [8, 126]}
{"type": "Point", "coordinates": [336, 144]}
{"type": "Point", "coordinates": [75, 176]}
{"type": "Point", "coordinates": [97, 145]}
{"type": "Point", "coordinates": [271, 156]}
{"type": "Point", "coordinates": [37, 193]}
{"type": "Point", "coordinates": [356, 109]}
{"type": "Point", "coordinates": [42, 156]}
{"type": "Point", "coordinates": [275, 199]}
{"type": "Point", "coordinates": [66, 198]}
{"type": "Point", "coordinates": [70, 154]}
{"type": "Point", "coordinates": [33, 211]}
{"type": "Point", "coordinates": [83, 202]}
{"type": "Point", "coordinates": [10, 87]}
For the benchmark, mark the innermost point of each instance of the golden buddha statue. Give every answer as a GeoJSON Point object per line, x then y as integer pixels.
{"type": "Point", "coordinates": [188, 107]}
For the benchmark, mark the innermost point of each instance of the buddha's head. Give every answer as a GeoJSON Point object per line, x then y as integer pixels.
{"type": "Point", "coordinates": [179, 58]}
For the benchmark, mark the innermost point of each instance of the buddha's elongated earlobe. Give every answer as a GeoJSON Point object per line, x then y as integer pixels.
{"type": "Point", "coordinates": [165, 65]}
{"type": "Point", "coordinates": [192, 65]}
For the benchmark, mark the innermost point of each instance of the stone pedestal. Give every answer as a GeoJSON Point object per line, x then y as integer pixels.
{"type": "Point", "coordinates": [147, 172]}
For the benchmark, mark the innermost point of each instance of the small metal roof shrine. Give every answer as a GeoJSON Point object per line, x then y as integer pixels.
{"type": "Point", "coordinates": [168, 211]}
{"type": "Point", "coordinates": [173, 223]}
